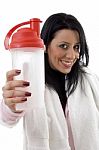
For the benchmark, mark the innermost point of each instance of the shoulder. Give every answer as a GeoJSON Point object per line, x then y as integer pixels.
{"type": "Point", "coordinates": [90, 75]}
{"type": "Point", "coordinates": [90, 83]}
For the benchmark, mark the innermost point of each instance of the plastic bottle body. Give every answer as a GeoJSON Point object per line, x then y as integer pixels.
{"type": "Point", "coordinates": [31, 63]}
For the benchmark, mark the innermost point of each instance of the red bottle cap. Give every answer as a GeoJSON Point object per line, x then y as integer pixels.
{"type": "Point", "coordinates": [25, 37]}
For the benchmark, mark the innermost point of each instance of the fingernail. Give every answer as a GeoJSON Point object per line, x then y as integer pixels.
{"type": "Point", "coordinates": [24, 99]}
{"type": "Point", "coordinates": [27, 94]}
{"type": "Point", "coordinates": [18, 71]}
{"type": "Point", "coordinates": [26, 83]}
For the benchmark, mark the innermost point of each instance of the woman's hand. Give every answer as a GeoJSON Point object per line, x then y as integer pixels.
{"type": "Point", "coordinates": [11, 94]}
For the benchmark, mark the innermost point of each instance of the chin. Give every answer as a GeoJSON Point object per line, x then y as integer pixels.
{"type": "Point", "coordinates": [66, 71]}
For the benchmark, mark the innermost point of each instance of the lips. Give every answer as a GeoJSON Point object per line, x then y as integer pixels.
{"type": "Point", "coordinates": [67, 63]}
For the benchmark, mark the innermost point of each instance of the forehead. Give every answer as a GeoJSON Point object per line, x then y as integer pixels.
{"type": "Point", "coordinates": [67, 35]}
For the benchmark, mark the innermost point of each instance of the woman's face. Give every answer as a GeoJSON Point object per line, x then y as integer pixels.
{"type": "Point", "coordinates": [63, 50]}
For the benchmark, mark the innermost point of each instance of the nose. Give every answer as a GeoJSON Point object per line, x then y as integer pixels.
{"type": "Point", "coordinates": [70, 53]}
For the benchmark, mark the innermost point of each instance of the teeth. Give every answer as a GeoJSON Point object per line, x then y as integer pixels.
{"type": "Point", "coordinates": [67, 63]}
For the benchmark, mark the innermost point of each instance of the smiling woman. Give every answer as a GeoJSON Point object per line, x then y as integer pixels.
{"type": "Point", "coordinates": [63, 51]}
{"type": "Point", "coordinates": [71, 95]}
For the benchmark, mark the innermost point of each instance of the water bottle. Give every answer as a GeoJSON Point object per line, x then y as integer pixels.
{"type": "Point", "coordinates": [27, 50]}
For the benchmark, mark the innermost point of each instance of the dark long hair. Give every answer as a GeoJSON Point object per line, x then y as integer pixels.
{"type": "Point", "coordinates": [65, 21]}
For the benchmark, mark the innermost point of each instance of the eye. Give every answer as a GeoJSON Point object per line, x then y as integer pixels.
{"type": "Point", "coordinates": [64, 46]}
{"type": "Point", "coordinates": [77, 48]}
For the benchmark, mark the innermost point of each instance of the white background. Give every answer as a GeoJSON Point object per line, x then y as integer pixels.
{"type": "Point", "coordinates": [14, 12]}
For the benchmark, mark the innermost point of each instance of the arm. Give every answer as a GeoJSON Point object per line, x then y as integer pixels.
{"type": "Point", "coordinates": [8, 117]}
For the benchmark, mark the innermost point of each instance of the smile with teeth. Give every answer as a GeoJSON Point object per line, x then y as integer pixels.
{"type": "Point", "coordinates": [67, 63]}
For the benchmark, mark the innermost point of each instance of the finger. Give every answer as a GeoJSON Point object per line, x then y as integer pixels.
{"type": "Point", "coordinates": [15, 100]}
{"type": "Point", "coordinates": [11, 103]}
{"type": "Point", "coordinates": [16, 83]}
{"type": "Point", "coordinates": [13, 109]}
{"type": "Point", "coordinates": [10, 74]}
{"type": "Point", "coordinates": [15, 93]}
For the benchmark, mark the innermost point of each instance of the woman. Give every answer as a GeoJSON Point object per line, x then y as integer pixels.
{"type": "Point", "coordinates": [71, 93]}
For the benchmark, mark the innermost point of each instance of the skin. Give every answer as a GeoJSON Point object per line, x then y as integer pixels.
{"type": "Point", "coordinates": [63, 52]}
{"type": "Point", "coordinates": [11, 95]}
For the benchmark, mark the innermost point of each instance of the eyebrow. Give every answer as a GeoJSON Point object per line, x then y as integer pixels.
{"type": "Point", "coordinates": [68, 43]}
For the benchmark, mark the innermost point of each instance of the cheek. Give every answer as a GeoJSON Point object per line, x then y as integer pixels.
{"type": "Point", "coordinates": [53, 54]}
{"type": "Point", "coordinates": [77, 55]}
{"type": "Point", "coordinates": [53, 59]}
